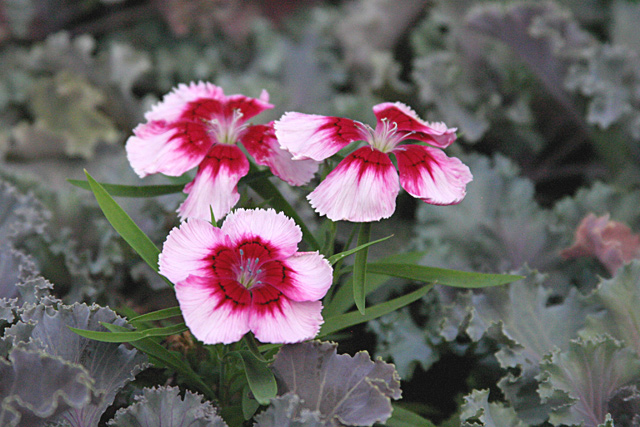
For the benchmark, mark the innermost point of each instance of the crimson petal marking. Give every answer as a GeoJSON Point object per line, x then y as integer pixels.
{"type": "Point", "coordinates": [277, 231]}
{"type": "Point", "coordinates": [222, 259]}
{"type": "Point", "coordinates": [428, 174]}
{"type": "Point", "coordinates": [202, 109]}
{"type": "Point", "coordinates": [408, 121]}
{"type": "Point", "coordinates": [215, 184]}
{"type": "Point", "coordinates": [172, 105]}
{"type": "Point", "coordinates": [310, 136]}
{"type": "Point", "coordinates": [257, 249]}
{"type": "Point", "coordinates": [249, 107]}
{"type": "Point", "coordinates": [171, 149]}
{"type": "Point", "coordinates": [362, 188]}
{"type": "Point", "coordinates": [260, 141]}
{"type": "Point", "coordinates": [215, 311]}
{"type": "Point", "coordinates": [188, 250]}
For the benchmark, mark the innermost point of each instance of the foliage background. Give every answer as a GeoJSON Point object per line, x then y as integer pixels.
{"type": "Point", "coordinates": [546, 97]}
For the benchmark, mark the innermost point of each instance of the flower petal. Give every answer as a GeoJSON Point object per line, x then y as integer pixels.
{"type": "Point", "coordinates": [260, 141]}
{"type": "Point", "coordinates": [407, 120]}
{"type": "Point", "coordinates": [249, 107]}
{"type": "Point", "coordinates": [362, 188]}
{"type": "Point", "coordinates": [305, 276]}
{"type": "Point", "coordinates": [215, 311]}
{"type": "Point", "coordinates": [215, 185]}
{"type": "Point", "coordinates": [428, 174]}
{"type": "Point", "coordinates": [309, 136]}
{"type": "Point", "coordinates": [171, 149]}
{"type": "Point", "coordinates": [276, 319]}
{"type": "Point", "coordinates": [174, 104]}
{"type": "Point", "coordinates": [188, 250]}
{"type": "Point", "coordinates": [279, 232]}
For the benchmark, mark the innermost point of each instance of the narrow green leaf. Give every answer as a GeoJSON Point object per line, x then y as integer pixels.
{"type": "Point", "coordinates": [402, 417]}
{"type": "Point", "coordinates": [117, 190]}
{"type": "Point", "coordinates": [168, 360]}
{"type": "Point", "coordinates": [124, 225]}
{"type": "Point", "coordinates": [343, 321]}
{"type": "Point", "coordinates": [441, 276]}
{"type": "Point", "coordinates": [260, 378]}
{"type": "Point", "coordinates": [165, 313]}
{"type": "Point", "coordinates": [129, 335]}
{"type": "Point", "coordinates": [341, 300]}
{"type": "Point", "coordinates": [337, 257]}
{"type": "Point", "coordinates": [268, 191]}
{"type": "Point", "coordinates": [359, 266]}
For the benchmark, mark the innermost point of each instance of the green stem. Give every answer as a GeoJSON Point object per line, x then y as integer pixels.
{"type": "Point", "coordinates": [360, 267]}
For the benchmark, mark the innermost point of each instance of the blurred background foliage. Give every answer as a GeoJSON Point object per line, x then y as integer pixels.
{"type": "Point", "coordinates": [546, 99]}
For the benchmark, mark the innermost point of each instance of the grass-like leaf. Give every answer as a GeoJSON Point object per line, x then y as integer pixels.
{"type": "Point", "coordinates": [360, 266]}
{"type": "Point", "coordinates": [341, 300]}
{"type": "Point", "coordinates": [337, 257]}
{"type": "Point", "coordinates": [124, 225]}
{"type": "Point", "coordinates": [167, 359]}
{"type": "Point", "coordinates": [165, 313]}
{"type": "Point", "coordinates": [129, 335]}
{"type": "Point", "coordinates": [343, 321]}
{"type": "Point", "coordinates": [117, 190]}
{"type": "Point", "coordinates": [441, 276]}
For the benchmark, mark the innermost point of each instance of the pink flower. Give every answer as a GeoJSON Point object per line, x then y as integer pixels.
{"type": "Point", "coordinates": [611, 242]}
{"type": "Point", "coordinates": [197, 125]}
{"type": "Point", "coordinates": [364, 186]}
{"type": "Point", "coordinates": [246, 276]}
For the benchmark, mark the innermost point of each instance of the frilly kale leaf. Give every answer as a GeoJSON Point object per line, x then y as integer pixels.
{"type": "Point", "coordinates": [288, 411]}
{"type": "Point", "coordinates": [497, 227]}
{"type": "Point", "coordinates": [45, 329]}
{"type": "Point", "coordinates": [345, 390]}
{"type": "Point", "coordinates": [477, 411]}
{"type": "Point", "coordinates": [164, 406]}
{"type": "Point", "coordinates": [620, 298]}
{"type": "Point", "coordinates": [579, 382]}
{"type": "Point", "coordinates": [37, 386]}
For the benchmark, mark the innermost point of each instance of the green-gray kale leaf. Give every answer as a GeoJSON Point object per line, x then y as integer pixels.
{"type": "Point", "coordinates": [163, 406]}
{"type": "Point", "coordinates": [345, 390]}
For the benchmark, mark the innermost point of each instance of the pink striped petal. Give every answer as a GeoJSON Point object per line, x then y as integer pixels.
{"type": "Point", "coordinates": [362, 188]}
{"type": "Point", "coordinates": [276, 319]}
{"type": "Point", "coordinates": [277, 232]}
{"type": "Point", "coordinates": [309, 136]}
{"type": "Point", "coordinates": [260, 141]}
{"type": "Point", "coordinates": [311, 276]}
{"type": "Point", "coordinates": [173, 104]}
{"type": "Point", "coordinates": [407, 120]}
{"type": "Point", "coordinates": [171, 149]}
{"type": "Point", "coordinates": [216, 311]}
{"type": "Point", "coordinates": [188, 250]}
{"type": "Point", "coordinates": [428, 174]}
{"type": "Point", "coordinates": [215, 185]}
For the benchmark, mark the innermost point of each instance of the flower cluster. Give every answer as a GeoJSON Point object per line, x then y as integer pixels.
{"type": "Point", "coordinates": [197, 125]}
{"type": "Point", "coordinates": [247, 275]}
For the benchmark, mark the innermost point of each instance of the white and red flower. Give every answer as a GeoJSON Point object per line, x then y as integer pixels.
{"type": "Point", "coordinates": [364, 186]}
{"type": "Point", "coordinates": [197, 125]}
{"type": "Point", "coordinates": [246, 276]}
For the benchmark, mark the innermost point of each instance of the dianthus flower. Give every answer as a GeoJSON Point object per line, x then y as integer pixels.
{"type": "Point", "coordinates": [364, 186]}
{"type": "Point", "coordinates": [197, 125]}
{"type": "Point", "coordinates": [246, 276]}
